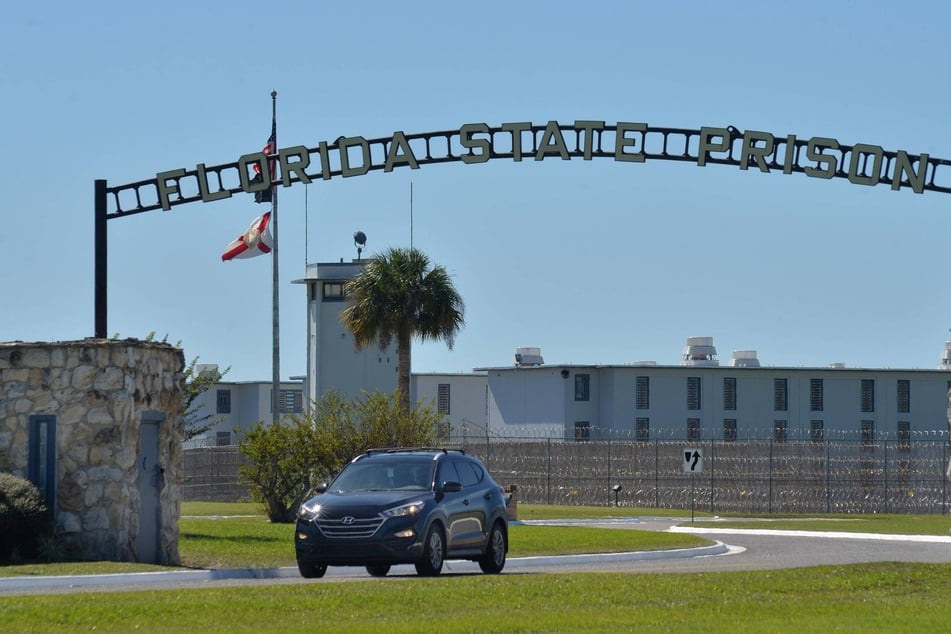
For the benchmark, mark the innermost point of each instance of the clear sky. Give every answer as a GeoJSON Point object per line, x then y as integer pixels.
{"type": "Point", "coordinates": [592, 261]}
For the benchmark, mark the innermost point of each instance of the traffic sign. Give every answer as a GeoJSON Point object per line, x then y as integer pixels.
{"type": "Point", "coordinates": [693, 461]}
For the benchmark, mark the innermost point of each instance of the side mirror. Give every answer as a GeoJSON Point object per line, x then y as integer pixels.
{"type": "Point", "coordinates": [320, 488]}
{"type": "Point", "coordinates": [450, 486]}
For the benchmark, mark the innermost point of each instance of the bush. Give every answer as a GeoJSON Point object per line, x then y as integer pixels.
{"type": "Point", "coordinates": [24, 519]}
{"type": "Point", "coordinates": [281, 458]}
{"type": "Point", "coordinates": [286, 459]}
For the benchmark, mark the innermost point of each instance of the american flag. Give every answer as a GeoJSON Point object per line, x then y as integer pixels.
{"type": "Point", "coordinates": [269, 148]}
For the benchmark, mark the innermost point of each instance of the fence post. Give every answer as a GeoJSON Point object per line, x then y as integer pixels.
{"type": "Point", "coordinates": [885, 472]}
{"type": "Point", "coordinates": [656, 477]}
{"type": "Point", "coordinates": [828, 478]}
{"type": "Point", "coordinates": [712, 462]}
{"type": "Point", "coordinates": [944, 480]}
{"type": "Point", "coordinates": [769, 499]}
{"type": "Point", "coordinates": [548, 474]}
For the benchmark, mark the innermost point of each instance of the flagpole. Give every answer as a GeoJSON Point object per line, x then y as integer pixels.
{"type": "Point", "coordinates": [276, 330]}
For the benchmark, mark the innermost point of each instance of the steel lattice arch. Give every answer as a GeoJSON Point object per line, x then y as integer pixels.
{"type": "Point", "coordinates": [472, 143]}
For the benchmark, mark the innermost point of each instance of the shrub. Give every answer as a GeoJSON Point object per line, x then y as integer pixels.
{"type": "Point", "coordinates": [287, 458]}
{"type": "Point", "coordinates": [24, 519]}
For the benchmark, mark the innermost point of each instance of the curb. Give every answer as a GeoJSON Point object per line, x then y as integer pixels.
{"type": "Point", "coordinates": [125, 579]}
{"type": "Point", "coordinates": [14, 585]}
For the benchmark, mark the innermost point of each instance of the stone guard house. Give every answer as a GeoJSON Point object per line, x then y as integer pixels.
{"type": "Point", "coordinates": [96, 424]}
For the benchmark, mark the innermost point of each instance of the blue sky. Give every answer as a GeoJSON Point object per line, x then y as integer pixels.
{"type": "Point", "coordinates": [592, 261]}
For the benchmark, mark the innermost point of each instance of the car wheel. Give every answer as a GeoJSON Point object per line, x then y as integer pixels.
{"type": "Point", "coordinates": [434, 550]}
{"type": "Point", "coordinates": [378, 570]}
{"type": "Point", "coordinates": [493, 560]}
{"type": "Point", "coordinates": [310, 569]}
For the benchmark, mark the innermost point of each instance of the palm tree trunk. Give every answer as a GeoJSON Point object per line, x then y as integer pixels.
{"type": "Point", "coordinates": [403, 366]}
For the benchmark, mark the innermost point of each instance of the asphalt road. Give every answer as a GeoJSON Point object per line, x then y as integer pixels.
{"type": "Point", "coordinates": [734, 550]}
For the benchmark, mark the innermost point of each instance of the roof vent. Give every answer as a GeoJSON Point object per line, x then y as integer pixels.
{"type": "Point", "coordinates": [837, 365]}
{"type": "Point", "coordinates": [528, 356]}
{"type": "Point", "coordinates": [744, 359]}
{"type": "Point", "coordinates": [699, 351]}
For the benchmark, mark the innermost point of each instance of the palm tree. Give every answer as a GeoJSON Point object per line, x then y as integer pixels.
{"type": "Point", "coordinates": [399, 294]}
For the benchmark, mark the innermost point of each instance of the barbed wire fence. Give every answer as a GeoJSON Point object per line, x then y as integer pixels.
{"type": "Point", "coordinates": [841, 472]}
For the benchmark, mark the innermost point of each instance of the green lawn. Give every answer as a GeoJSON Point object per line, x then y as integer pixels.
{"type": "Point", "coordinates": [892, 524]}
{"type": "Point", "coordinates": [865, 598]}
{"type": "Point", "coordinates": [861, 598]}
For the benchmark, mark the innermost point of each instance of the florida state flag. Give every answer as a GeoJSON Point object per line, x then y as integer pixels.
{"type": "Point", "coordinates": [255, 241]}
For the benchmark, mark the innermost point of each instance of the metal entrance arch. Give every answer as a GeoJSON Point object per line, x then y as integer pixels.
{"type": "Point", "coordinates": [629, 142]}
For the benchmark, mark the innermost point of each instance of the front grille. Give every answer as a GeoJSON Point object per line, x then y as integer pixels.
{"type": "Point", "coordinates": [349, 526]}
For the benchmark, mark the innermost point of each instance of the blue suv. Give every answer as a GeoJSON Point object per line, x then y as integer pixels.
{"type": "Point", "coordinates": [394, 506]}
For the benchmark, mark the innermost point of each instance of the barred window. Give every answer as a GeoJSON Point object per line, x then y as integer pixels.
{"type": "Point", "coordinates": [729, 393]}
{"type": "Point", "coordinates": [223, 402]}
{"type": "Point", "coordinates": [642, 392]}
{"type": "Point", "coordinates": [442, 398]}
{"type": "Point", "coordinates": [290, 401]}
{"type": "Point", "coordinates": [868, 434]}
{"type": "Point", "coordinates": [816, 433]}
{"type": "Point", "coordinates": [904, 435]}
{"type": "Point", "coordinates": [815, 395]}
{"type": "Point", "coordinates": [582, 430]}
{"type": "Point", "coordinates": [582, 387]}
{"type": "Point", "coordinates": [442, 431]}
{"type": "Point", "coordinates": [868, 395]}
{"type": "Point", "coordinates": [643, 429]}
{"type": "Point", "coordinates": [779, 395]}
{"type": "Point", "coordinates": [779, 430]}
{"type": "Point", "coordinates": [693, 392]}
{"type": "Point", "coordinates": [693, 429]}
{"type": "Point", "coordinates": [729, 429]}
{"type": "Point", "coordinates": [904, 396]}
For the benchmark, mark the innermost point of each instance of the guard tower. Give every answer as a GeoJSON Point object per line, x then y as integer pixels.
{"type": "Point", "coordinates": [333, 361]}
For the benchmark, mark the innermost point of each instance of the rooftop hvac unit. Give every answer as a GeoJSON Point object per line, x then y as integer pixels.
{"type": "Point", "coordinates": [528, 356]}
{"type": "Point", "coordinates": [744, 359]}
{"type": "Point", "coordinates": [699, 351]}
{"type": "Point", "coordinates": [946, 357]}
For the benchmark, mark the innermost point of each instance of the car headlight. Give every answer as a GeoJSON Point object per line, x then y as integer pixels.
{"type": "Point", "coordinates": [404, 509]}
{"type": "Point", "coordinates": [308, 511]}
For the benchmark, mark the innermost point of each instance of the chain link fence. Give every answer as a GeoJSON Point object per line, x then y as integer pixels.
{"type": "Point", "coordinates": [211, 475]}
{"type": "Point", "coordinates": [839, 475]}
{"type": "Point", "coordinates": [756, 476]}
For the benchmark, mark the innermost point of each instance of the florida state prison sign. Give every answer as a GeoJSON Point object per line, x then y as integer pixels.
{"type": "Point", "coordinates": [624, 142]}
{"type": "Point", "coordinates": [815, 157]}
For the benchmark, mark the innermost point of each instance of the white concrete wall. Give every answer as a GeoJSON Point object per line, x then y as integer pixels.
{"type": "Point", "coordinates": [468, 414]}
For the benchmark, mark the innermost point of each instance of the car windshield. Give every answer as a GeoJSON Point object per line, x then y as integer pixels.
{"type": "Point", "coordinates": [390, 475]}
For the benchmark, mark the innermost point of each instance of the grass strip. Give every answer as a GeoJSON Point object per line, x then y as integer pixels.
{"type": "Point", "coordinates": [861, 598]}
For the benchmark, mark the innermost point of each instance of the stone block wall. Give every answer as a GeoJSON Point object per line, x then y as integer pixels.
{"type": "Point", "coordinates": [98, 390]}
